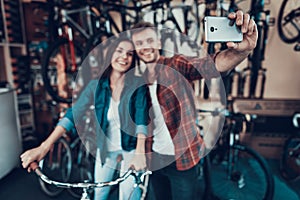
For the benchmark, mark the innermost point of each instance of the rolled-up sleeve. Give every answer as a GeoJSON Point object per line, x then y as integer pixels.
{"type": "Point", "coordinates": [141, 129]}
{"type": "Point", "coordinates": [141, 110]}
{"type": "Point", "coordinates": [66, 123]}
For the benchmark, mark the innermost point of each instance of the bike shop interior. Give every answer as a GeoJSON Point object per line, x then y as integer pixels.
{"type": "Point", "coordinates": [262, 94]}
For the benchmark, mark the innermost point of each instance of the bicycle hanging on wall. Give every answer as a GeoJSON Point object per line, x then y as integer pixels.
{"type": "Point", "coordinates": [62, 59]}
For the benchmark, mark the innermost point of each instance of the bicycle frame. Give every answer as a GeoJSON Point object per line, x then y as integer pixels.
{"type": "Point", "coordinates": [65, 31]}
{"type": "Point", "coordinates": [66, 18]}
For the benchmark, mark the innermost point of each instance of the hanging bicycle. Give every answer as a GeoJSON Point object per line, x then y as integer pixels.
{"type": "Point", "coordinates": [61, 63]}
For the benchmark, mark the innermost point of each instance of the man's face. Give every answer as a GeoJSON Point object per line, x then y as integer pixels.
{"type": "Point", "coordinates": [147, 45]}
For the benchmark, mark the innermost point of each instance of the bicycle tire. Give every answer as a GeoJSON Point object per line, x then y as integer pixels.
{"type": "Point", "coordinates": [56, 164]}
{"type": "Point", "coordinates": [289, 162]}
{"type": "Point", "coordinates": [288, 31]}
{"type": "Point", "coordinates": [251, 176]}
{"type": "Point", "coordinates": [49, 70]}
{"type": "Point", "coordinates": [83, 165]}
{"type": "Point", "coordinates": [93, 55]}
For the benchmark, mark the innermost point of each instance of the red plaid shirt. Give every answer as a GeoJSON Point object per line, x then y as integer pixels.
{"type": "Point", "coordinates": [176, 98]}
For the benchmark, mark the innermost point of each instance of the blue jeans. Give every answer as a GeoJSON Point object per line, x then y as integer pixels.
{"type": "Point", "coordinates": [170, 183]}
{"type": "Point", "coordinates": [105, 173]}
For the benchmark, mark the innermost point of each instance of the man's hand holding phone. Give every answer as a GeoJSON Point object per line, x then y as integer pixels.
{"type": "Point", "coordinates": [239, 31]}
{"type": "Point", "coordinates": [249, 30]}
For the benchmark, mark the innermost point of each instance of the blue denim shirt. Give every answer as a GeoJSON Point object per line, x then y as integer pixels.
{"type": "Point", "coordinates": [133, 110]}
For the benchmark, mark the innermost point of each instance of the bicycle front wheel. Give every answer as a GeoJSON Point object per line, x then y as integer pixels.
{"type": "Point", "coordinates": [289, 21]}
{"type": "Point", "coordinates": [60, 68]}
{"type": "Point", "coordinates": [249, 177]}
{"type": "Point", "coordinates": [57, 165]}
{"type": "Point", "coordinates": [83, 164]}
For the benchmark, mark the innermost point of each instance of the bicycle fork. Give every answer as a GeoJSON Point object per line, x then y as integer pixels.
{"type": "Point", "coordinates": [232, 173]}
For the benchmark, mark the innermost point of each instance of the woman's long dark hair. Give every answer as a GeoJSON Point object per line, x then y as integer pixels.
{"type": "Point", "coordinates": [106, 67]}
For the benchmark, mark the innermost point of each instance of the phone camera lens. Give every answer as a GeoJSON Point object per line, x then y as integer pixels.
{"type": "Point", "coordinates": [212, 29]}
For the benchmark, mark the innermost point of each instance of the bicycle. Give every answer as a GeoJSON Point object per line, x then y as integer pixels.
{"type": "Point", "coordinates": [61, 63]}
{"type": "Point", "coordinates": [70, 158]}
{"type": "Point", "coordinates": [237, 169]}
{"type": "Point", "coordinates": [290, 160]}
{"type": "Point", "coordinates": [141, 180]}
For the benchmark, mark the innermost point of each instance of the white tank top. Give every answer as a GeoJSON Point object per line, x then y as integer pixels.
{"type": "Point", "coordinates": [113, 130]}
{"type": "Point", "coordinates": [162, 141]}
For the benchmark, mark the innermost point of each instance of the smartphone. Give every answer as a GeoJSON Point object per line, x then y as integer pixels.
{"type": "Point", "coordinates": [221, 29]}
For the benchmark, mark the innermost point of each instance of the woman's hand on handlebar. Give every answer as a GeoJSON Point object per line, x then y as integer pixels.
{"type": "Point", "coordinates": [32, 155]}
{"type": "Point", "coordinates": [138, 162]}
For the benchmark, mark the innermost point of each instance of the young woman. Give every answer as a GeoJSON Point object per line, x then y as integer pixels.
{"type": "Point", "coordinates": [121, 106]}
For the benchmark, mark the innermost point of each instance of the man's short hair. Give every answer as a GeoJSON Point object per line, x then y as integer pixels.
{"type": "Point", "coordinates": [138, 27]}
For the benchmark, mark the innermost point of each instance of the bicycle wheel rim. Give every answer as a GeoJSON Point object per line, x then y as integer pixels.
{"type": "Point", "coordinates": [250, 176]}
{"type": "Point", "coordinates": [57, 166]}
{"type": "Point", "coordinates": [289, 30]}
{"type": "Point", "coordinates": [54, 59]}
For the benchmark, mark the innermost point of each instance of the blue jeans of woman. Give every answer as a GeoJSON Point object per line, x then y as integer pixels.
{"type": "Point", "coordinates": [106, 172]}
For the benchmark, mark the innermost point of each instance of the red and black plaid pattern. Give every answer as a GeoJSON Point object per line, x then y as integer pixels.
{"type": "Point", "coordinates": [175, 96]}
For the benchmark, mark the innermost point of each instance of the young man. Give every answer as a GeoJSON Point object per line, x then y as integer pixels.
{"type": "Point", "coordinates": [176, 144]}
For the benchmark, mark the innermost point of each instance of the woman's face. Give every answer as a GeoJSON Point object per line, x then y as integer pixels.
{"type": "Point", "coordinates": [122, 57]}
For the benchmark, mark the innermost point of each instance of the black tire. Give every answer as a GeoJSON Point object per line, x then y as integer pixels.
{"type": "Point", "coordinates": [288, 29]}
{"type": "Point", "coordinates": [49, 69]}
{"type": "Point", "coordinates": [57, 165]}
{"type": "Point", "coordinates": [250, 177]}
{"type": "Point", "coordinates": [289, 163]}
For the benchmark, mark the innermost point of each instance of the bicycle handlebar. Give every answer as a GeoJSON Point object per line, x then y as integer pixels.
{"type": "Point", "coordinates": [226, 113]}
{"type": "Point", "coordinates": [140, 177]}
